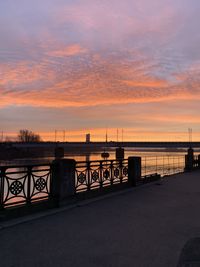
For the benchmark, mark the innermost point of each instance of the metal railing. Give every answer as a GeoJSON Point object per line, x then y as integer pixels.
{"type": "Point", "coordinates": [24, 184]}
{"type": "Point", "coordinates": [196, 161]}
{"type": "Point", "coordinates": [97, 174]}
{"type": "Point", "coordinates": [163, 165]}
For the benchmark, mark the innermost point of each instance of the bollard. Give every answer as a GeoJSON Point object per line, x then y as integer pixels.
{"type": "Point", "coordinates": [59, 153]}
{"type": "Point", "coordinates": [189, 160]}
{"type": "Point", "coordinates": [119, 153]}
{"type": "Point", "coordinates": [63, 179]}
{"type": "Point", "coordinates": [134, 170]}
{"type": "Point", "coordinates": [198, 161]}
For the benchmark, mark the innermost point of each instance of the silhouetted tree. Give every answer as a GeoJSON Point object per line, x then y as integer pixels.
{"type": "Point", "coordinates": [28, 136]}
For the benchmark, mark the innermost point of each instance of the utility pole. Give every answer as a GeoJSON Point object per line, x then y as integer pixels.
{"type": "Point", "coordinates": [55, 136]}
{"type": "Point", "coordinates": [2, 136]}
{"type": "Point", "coordinates": [117, 135]}
{"type": "Point", "coordinates": [63, 135]}
{"type": "Point", "coordinates": [190, 136]}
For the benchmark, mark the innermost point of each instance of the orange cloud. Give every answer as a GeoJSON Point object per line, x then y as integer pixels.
{"type": "Point", "coordinates": [171, 118]}
{"type": "Point", "coordinates": [102, 81]}
{"type": "Point", "coordinates": [53, 98]}
{"type": "Point", "coordinates": [72, 50]}
{"type": "Point", "coordinates": [153, 84]}
{"type": "Point", "coordinates": [22, 73]}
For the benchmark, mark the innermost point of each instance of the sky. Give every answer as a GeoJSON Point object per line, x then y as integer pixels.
{"type": "Point", "coordinates": [90, 65]}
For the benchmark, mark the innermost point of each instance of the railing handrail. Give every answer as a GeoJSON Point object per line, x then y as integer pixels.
{"type": "Point", "coordinates": [24, 165]}
{"type": "Point", "coordinates": [104, 160]}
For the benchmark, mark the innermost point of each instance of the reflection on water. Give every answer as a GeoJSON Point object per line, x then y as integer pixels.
{"type": "Point", "coordinates": [153, 161]}
{"type": "Point", "coordinates": [129, 152]}
{"type": "Point", "coordinates": [90, 156]}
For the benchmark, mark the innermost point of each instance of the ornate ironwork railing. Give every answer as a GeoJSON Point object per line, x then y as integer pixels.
{"type": "Point", "coordinates": [196, 161]}
{"type": "Point", "coordinates": [97, 174]}
{"type": "Point", "coordinates": [166, 165]}
{"type": "Point", "coordinates": [24, 184]}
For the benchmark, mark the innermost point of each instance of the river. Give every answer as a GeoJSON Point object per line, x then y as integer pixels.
{"type": "Point", "coordinates": [90, 156]}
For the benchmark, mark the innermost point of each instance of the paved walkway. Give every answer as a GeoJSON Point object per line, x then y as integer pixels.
{"type": "Point", "coordinates": [142, 227]}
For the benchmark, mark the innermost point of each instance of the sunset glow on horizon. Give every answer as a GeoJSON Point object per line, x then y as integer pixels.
{"type": "Point", "coordinates": [86, 65]}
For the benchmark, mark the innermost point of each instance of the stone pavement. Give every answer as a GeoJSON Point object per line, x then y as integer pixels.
{"type": "Point", "coordinates": [141, 227]}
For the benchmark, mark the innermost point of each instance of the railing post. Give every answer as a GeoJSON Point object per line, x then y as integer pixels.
{"type": "Point", "coordinates": [198, 161]}
{"type": "Point", "coordinates": [59, 153]}
{"type": "Point", "coordinates": [189, 160]}
{"type": "Point", "coordinates": [88, 175]}
{"type": "Point", "coordinates": [2, 177]}
{"type": "Point", "coordinates": [119, 153]}
{"type": "Point", "coordinates": [28, 198]}
{"type": "Point", "coordinates": [134, 170]}
{"type": "Point", "coordinates": [111, 172]}
{"type": "Point", "coordinates": [101, 174]}
{"type": "Point", "coordinates": [63, 179]}
{"type": "Point", "coordinates": [121, 170]}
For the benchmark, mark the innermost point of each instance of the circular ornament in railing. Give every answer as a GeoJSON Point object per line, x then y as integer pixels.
{"type": "Point", "coordinates": [95, 176]}
{"type": "Point", "coordinates": [116, 172]}
{"type": "Point", "coordinates": [125, 171]}
{"type": "Point", "coordinates": [81, 178]}
{"type": "Point", "coordinates": [16, 187]}
{"type": "Point", "coordinates": [106, 174]}
{"type": "Point", "coordinates": [40, 184]}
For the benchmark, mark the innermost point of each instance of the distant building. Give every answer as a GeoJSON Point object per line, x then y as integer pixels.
{"type": "Point", "coordinates": [88, 138]}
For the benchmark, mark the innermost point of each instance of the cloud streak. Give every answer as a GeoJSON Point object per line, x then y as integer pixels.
{"type": "Point", "coordinates": [96, 81]}
{"type": "Point", "coordinates": [72, 50]}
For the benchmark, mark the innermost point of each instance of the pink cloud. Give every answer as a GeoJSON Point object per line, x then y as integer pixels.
{"type": "Point", "coordinates": [72, 50]}
{"type": "Point", "coordinates": [102, 82]}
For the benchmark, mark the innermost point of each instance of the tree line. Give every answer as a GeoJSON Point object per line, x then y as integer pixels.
{"type": "Point", "coordinates": [27, 136]}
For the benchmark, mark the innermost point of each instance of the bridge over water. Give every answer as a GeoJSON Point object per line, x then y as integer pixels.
{"type": "Point", "coordinates": [163, 144]}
